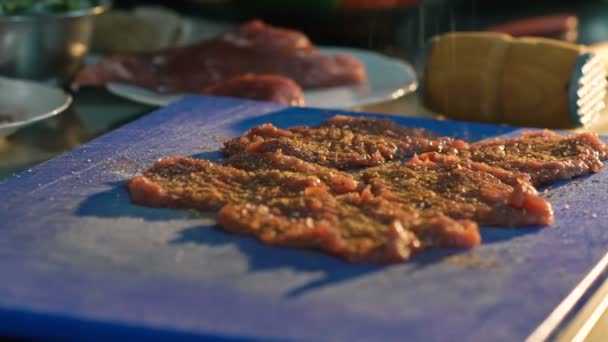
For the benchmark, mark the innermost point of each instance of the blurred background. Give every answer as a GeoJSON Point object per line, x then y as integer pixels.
{"type": "Point", "coordinates": [394, 26]}
{"type": "Point", "coordinates": [398, 28]}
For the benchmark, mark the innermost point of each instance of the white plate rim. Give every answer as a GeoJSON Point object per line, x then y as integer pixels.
{"type": "Point", "coordinates": [148, 97]}
{"type": "Point", "coordinates": [398, 92]}
{"type": "Point", "coordinates": [68, 99]}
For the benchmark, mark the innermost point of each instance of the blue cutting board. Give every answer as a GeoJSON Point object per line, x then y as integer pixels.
{"type": "Point", "coordinates": [78, 260]}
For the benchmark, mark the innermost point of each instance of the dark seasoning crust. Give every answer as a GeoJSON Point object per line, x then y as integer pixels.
{"type": "Point", "coordinates": [369, 190]}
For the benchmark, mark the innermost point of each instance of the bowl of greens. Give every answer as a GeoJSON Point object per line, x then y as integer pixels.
{"type": "Point", "coordinates": [46, 39]}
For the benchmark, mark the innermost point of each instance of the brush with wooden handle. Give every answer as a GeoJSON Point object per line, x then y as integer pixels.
{"type": "Point", "coordinates": [493, 77]}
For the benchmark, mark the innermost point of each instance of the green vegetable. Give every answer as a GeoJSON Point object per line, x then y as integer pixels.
{"type": "Point", "coordinates": [28, 7]}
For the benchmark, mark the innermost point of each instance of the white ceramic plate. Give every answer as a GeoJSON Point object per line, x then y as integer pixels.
{"type": "Point", "coordinates": [25, 102]}
{"type": "Point", "coordinates": [388, 79]}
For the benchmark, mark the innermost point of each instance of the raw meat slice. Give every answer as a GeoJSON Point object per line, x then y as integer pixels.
{"type": "Point", "coordinates": [259, 87]}
{"type": "Point", "coordinates": [253, 47]}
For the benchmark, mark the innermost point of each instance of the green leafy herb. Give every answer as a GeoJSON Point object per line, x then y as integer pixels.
{"type": "Point", "coordinates": [29, 7]}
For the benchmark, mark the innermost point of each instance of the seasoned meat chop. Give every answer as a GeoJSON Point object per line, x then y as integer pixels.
{"type": "Point", "coordinates": [305, 186]}
{"type": "Point", "coordinates": [352, 226]}
{"type": "Point", "coordinates": [432, 182]}
{"type": "Point", "coordinates": [343, 144]}
{"type": "Point", "coordinates": [338, 181]}
{"type": "Point", "coordinates": [292, 209]}
{"type": "Point", "coordinates": [545, 156]}
{"type": "Point", "coordinates": [376, 126]}
{"type": "Point", "coordinates": [542, 157]}
{"type": "Point", "coordinates": [461, 189]}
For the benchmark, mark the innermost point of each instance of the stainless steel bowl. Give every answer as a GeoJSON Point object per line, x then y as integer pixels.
{"type": "Point", "coordinates": [46, 46]}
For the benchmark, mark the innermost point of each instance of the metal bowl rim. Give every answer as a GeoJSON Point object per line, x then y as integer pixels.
{"type": "Point", "coordinates": [103, 6]}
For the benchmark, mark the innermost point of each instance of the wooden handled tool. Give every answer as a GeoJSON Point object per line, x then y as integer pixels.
{"type": "Point", "coordinates": [493, 77]}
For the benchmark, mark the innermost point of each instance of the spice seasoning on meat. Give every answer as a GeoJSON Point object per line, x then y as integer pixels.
{"type": "Point", "coordinates": [344, 143]}
{"type": "Point", "coordinates": [369, 190]}
{"type": "Point", "coordinates": [546, 156]}
{"type": "Point", "coordinates": [461, 189]}
{"type": "Point", "coordinates": [285, 208]}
